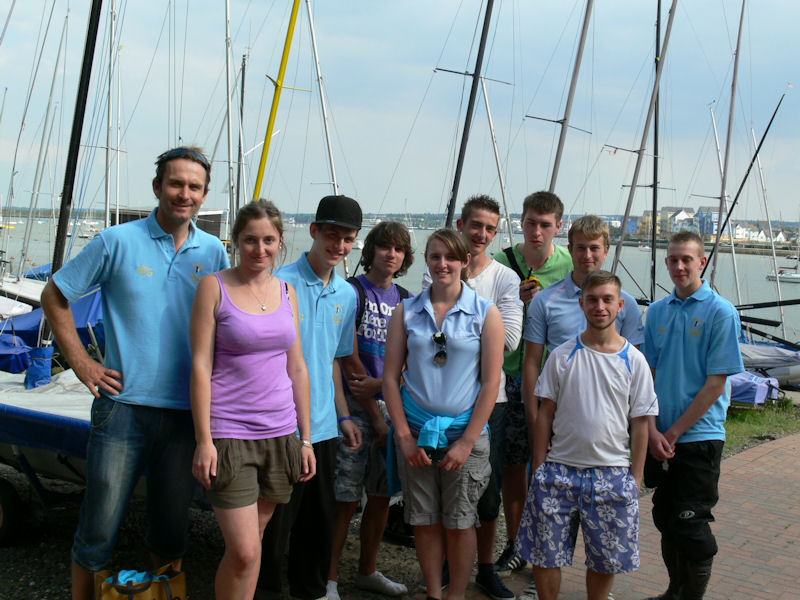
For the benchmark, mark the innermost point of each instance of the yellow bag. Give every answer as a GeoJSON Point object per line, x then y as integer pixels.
{"type": "Point", "coordinates": [164, 584]}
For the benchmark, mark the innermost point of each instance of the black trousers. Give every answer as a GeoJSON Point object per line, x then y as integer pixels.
{"type": "Point", "coordinates": [686, 491]}
{"type": "Point", "coordinates": [306, 522]}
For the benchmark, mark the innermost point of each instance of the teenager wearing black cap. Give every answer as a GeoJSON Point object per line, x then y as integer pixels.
{"type": "Point", "coordinates": [327, 306]}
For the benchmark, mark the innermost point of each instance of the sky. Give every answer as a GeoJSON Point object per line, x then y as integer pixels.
{"type": "Point", "coordinates": [395, 120]}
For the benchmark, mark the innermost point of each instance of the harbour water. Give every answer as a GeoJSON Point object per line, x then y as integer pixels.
{"type": "Point", "coordinates": [635, 270]}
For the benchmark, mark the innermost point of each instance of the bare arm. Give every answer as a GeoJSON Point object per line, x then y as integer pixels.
{"type": "Point", "coordinates": [350, 430]}
{"type": "Point", "coordinates": [202, 329]}
{"type": "Point", "coordinates": [364, 388]}
{"type": "Point", "coordinates": [393, 362]}
{"type": "Point", "coordinates": [531, 369]}
{"type": "Point", "coordinates": [639, 427]}
{"type": "Point", "coordinates": [660, 448]}
{"type": "Point", "coordinates": [91, 373]}
{"type": "Point", "coordinates": [705, 399]}
{"type": "Point", "coordinates": [544, 431]}
{"type": "Point", "coordinates": [301, 391]}
{"type": "Point", "coordinates": [492, 341]}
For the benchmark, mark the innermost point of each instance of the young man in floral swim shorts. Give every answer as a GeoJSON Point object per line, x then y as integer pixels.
{"type": "Point", "coordinates": [592, 388]}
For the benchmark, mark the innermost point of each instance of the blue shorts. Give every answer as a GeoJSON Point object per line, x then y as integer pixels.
{"type": "Point", "coordinates": [604, 500]}
{"type": "Point", "coordinates": [127, 441]}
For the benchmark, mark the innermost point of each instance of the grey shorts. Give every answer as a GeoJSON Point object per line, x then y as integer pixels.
{"type": "Point", "coordinates": [251, 469]}
{"type": "Point", "coordinates": [432, 495]}
{"type": "Point", "coordinates": [364, 469]}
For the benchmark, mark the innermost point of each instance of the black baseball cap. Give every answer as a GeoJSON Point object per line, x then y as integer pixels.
{"type": "Point", "coordinates": [339, 210]}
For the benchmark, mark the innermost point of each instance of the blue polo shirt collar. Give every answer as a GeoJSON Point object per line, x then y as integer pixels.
{"type": "Point", "coordinates": [311, 278]}
{"type": "Point", "coordinates": [572, 288]}
{"type": "Point", "coordinates": [467, 302]}
{"type": "Point", "coordinates": [704, 292]}
{"type": "Point", "coordinates": [156, 231]}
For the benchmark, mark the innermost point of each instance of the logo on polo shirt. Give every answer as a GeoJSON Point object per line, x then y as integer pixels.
{"type": "Point", "coordinates": [198, 270]}
{"type": "Point", "coordinates": [696, 328]}
{"type": "Point", "coordinates": [145, 270]}
{"type": "Point", "coordinates": [338, 314]}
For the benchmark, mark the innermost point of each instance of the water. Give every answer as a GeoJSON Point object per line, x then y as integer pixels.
{"type": "Point", "coordinates": [752, 269]}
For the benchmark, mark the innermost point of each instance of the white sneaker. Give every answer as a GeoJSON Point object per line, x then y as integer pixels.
{"type": "Point", "coordinates": [379, 583]}
{"type": "Point", "coordinates": [529, 593]}
{"type": "Point", "coordinates": [332, 590]}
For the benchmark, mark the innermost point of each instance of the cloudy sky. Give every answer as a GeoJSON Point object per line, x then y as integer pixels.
{"type": "Point", "coordinates": [395, 121]}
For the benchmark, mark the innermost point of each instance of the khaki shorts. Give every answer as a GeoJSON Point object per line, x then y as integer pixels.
{"type": "Point", "coordinates": [432, 495]}
{"type": "Point", "coordinates": [251, 469]}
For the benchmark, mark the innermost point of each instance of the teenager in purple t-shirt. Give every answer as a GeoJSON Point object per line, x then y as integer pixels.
{"type": "Point", "coordinates": [248, 457]}
{"type": "Point", "coordinates": [387, 254]}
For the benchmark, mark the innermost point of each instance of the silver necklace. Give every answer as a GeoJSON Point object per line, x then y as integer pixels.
{"type": "Point", "coordinates": [261, 303]}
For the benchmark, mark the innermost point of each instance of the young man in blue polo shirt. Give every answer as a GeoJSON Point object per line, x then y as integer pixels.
{"type": "Point", "coordinates": [148, 271]}
{"type": "Point", "coordinates": [692, 345]}
{"type": "Point", "coordinates": [555, 315]}
{"type": "Point", "coordinates": [327, 305]}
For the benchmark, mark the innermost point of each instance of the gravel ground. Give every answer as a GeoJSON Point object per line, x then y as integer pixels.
{"type": "Point", "coordinates": [37, 566]}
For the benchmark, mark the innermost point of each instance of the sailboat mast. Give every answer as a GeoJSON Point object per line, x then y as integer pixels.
{"type": "Point", "coordinates": [112, 26]}
{"type": "Point", "coordinates": [326, 128]}
{"type": "Point", "coordinates": [451, 205]}
{"type": "Point", "coordinates": [771, 236]}
{"type": "Point", "coordinates": [229, 128]}
{"type": "Point", "coordinates": [240, 151]}
{"type": "Point", "coordinates": [44, 144]}
{"type": "Point", "coordinates": [732, 226]}
{"type": "Point", "coordinates": [509, 229]}
{"type": "Point", "coordinates": [722, 202]}
{"type": "Point", "coordinates": [654, 209]}
{"type": "Point", "coordinates": [642, 145]}
{"type": "Point", "coordinates": [75, 135]}
{"type": "Point", "coordinates": [262, 166]}
{"type": "Point", "coordinates": [570, 97]}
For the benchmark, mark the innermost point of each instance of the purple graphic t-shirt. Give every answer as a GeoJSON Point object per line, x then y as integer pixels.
{"type": "Point", "coordinates": [371, 330]}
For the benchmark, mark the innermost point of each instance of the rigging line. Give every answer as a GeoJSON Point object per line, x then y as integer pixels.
{"type": "Point", "coordinates": [183, 71]}
{"type": "Point", "coordinates": [146, 76]}
{"type": "Point", "coordinates": [407, 140]}
{"type": "Point", "coordinates": [31, 83]}
{"type": "Point", "coordinates": [343, 154]}
{"type": "Point", "coordinates": [8, 20]}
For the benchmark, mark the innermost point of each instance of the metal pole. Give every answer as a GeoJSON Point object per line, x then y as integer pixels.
{"type": "Point", "coordinates": [640, 151]}
{"type": "Point", "coordinates": [275, 99]}
{"type": "Point", "coordinates": [510, 231]}
{"type": "Point", "coordinates": [722, 203]}
{"type": "Point", "coordinates": [75, 136]}
{"type": "Point", "coordinates": [112, 20]}
{"type": "Point", "coordinates": [573, 84]}
{"type": "Point", "coordinates": [654, 209]}
{"type": "Point", "coordinates": [451, 205]}
{"type": "Point", "coordinates": [231, 194]}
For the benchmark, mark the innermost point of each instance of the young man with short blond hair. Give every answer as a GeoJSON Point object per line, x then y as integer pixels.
{"type": "Point", "coordinates": [692, 345]}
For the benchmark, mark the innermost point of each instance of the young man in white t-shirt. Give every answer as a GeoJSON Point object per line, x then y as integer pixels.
{"type": "Point", "coordinates": [597, 393]}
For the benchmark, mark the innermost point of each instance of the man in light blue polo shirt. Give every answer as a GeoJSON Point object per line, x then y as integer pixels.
{"type": "Point", "coordinates": [141, 423]}
{"type": "Point", "coordinates": [692, 344]}
{"type": "Point", "coordinates": [327, 305]}
{"type": "Point", "coordinates": [555, 315]}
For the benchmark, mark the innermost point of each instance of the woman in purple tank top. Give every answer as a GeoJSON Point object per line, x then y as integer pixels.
{"type": "Point", "coordinates": [250, 395]}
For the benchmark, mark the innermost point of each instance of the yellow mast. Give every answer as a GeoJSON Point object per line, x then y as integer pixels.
{"type": "Point", "coordinates": [275, 99]}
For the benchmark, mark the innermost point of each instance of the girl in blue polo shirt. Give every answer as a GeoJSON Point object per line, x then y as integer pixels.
{"type": "Point", "coordinates": [451, 341]}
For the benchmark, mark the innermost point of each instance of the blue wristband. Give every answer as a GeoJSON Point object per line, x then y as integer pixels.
{"type": "Point", "coordinates": [347, 418]}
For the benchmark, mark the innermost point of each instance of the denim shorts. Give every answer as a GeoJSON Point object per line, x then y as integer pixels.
{"type": "Point", "coordinates": [128, 441]}
{"type": "Point", "coordinates": [364, 469]}
{"type": "Point", "coordinates": [604, 500]}
{"type": "Point", "coordinates": [432, 495]}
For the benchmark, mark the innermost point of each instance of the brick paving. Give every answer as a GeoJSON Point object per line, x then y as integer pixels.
{"type": "Point", "coordinates": [757, 528]}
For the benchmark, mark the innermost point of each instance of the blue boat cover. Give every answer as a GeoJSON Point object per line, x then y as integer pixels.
{"type": "Point", "coordinates": [14, 354]}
